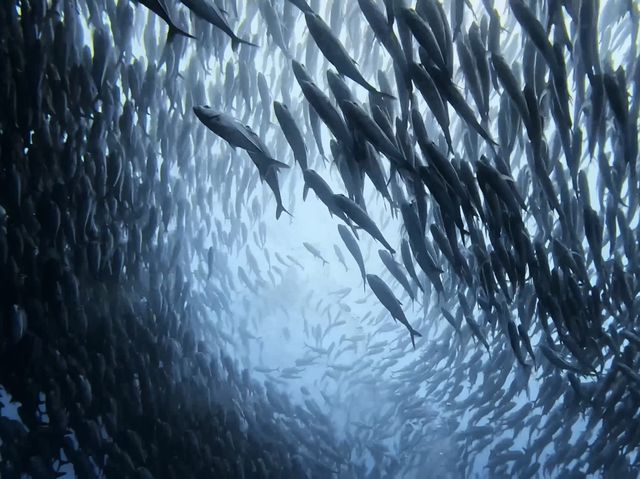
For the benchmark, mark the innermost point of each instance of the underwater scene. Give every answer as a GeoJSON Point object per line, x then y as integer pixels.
{"type": "Point", "coordinates": [319, 239]}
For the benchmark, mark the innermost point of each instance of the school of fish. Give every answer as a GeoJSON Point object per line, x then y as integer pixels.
{"type": "Point", "coordinates": [452, 290]}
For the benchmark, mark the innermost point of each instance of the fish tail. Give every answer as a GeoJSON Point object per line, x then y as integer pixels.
{"type": "Point", "coordinates": [173, 31]}
{"type": "Point", "coordinates": [276, 164]}
{"type": "Point", "coordinates": [386, 244]}
{"type": "Point", "coordinates": [382, 93]}
{"type": "Point", "coordinates": [447, 137]}
{"type": "Point", "coordinates": [413, 334]}
{"type": "Point", "coordinates": [280, 209]}
{"type": "Point", "coordinates": [354, 230]}
{"type": "Point", "coordinates": [236, 41]}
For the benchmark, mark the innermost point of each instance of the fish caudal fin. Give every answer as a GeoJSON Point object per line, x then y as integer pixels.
{"type": "Point", "coordinates": [280, 209]}
{"type": "Point", "coordinates": [413, 334]}
{"type": "Point", "coordinates": [275, 164]}
{"type": "Point", "coordinates": [173, 31]}
{"type": "Point", "coordinates": [235, 43]}
{"type": "Point", "coordinates": [375, 91]}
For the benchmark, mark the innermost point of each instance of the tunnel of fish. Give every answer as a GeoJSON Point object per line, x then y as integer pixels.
{"type": "Point", "coordinates": [329, 239]}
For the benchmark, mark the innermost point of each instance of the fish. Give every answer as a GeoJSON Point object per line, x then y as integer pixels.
{"type": "Point", "coordinates": [335, 53]}
{"type": "Point", "coordinates": [274, 27]}
{"type": "Point", "coordinates": [425, 37]}
{"type": "Point", "coordinates": [326, 111]}
{"type": "Point", "coordinates": [160, 8]}
{"type": "Point", "coordinates": [241, 136]}
{"type": "Point", "coordinates": [356, 214]}
{"type": "Point", "coordinates": [340, 256]}
{"type": "Point", "coordinates": [453, 96]}
{"type": "Point", "coordinates": [312, 180]}
{"type": "Point", "coordinates": [451, 320]}
{"type": "Point", "coordinates": [352, 245]}
{"type": "Point", "coordinates": [209, 12]}
{"type": "Point", "coordinates": [314, 251]}
{"type": "Point", "coordinates": [430, 93]}
{"type": "Point", "coordinates": [233, 132]}
{"type": "Point", "coordinates": [292, 133]}
{"type": "Point", "coordinates": [417, 241]}
{"type": "Point", "coordinates": [295, 261]}
{"type": "Point", "coordinates": [391, 303]}
{"type": "Point", "coordinates": [373, 133]}
{"type": "Point", "coordinates": [514, 339]}
{"type": "Point", "coordinates": [396, 271]}
{"type": "Point", "coordinates": [405, 251]}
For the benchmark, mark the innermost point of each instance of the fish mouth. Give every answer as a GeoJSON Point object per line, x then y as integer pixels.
{"type": "Point", "coordinates": [204, 112]}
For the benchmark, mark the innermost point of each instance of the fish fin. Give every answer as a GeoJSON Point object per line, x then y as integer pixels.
{"type": "Point", "coordinates": [174, 30]}
{"type": "Point", "coordinates": [236, 41]}
{"type": "Point", "coordinates": [280, 209]}
{"type": "Point", "coordinates": [275, 164]}
{"type": "Point", "coordinates": [373, 90]}
{"type": "Point", "coordinates": [385, 95]}
{"type": "Point", "coordinates": [413, 334]}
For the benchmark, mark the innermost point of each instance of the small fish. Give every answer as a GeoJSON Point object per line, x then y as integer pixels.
{"type": "Point", "coordinates": [314, 251]}
{"type": "Point", "coordinates": [334, 51]}
{"type": "Point", "coordinates": [209, 12]}
{"type": "Point", "coordinates": [391, 303]}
